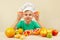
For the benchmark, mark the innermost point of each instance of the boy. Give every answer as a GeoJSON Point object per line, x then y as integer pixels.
{"type": "Point", "coordinates": [27, 23]}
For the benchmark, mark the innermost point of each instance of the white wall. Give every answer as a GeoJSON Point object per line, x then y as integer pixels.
{"type": "Point", "coordinates": [49, 12]}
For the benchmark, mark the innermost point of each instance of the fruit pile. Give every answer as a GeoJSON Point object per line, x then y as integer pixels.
{"type": "Point", "coordinates": [46, 32]}
{"type": "Point", "coordinates": [10, 32]}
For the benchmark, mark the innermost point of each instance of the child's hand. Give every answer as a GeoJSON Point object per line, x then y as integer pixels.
{"type": "Point", "coordinates": [20, 15]}
{"type": "Point", "coordinates": [36, 16]}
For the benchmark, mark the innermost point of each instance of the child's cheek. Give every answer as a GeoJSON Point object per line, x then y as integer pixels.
{"type": "Point", "coordinates": [24, 16]}
{"type": "Point", "coordinates": [31, 17]}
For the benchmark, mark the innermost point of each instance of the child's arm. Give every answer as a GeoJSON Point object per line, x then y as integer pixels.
{"type": "Point", "coordinates": [14, 24]}
{"type": "Point", "coordinates": [40, 23]}
{"type": "Point", "coordinates": [20, 15]}
{"type": "Point", "coordinates": [36, 16]}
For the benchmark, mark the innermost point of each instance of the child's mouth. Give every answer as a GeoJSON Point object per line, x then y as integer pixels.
{"type": "Point", "coordinates": [27, 18]}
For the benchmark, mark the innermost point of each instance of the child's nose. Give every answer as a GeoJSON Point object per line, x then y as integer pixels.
{"type": "Point", "coordinates": [27, 15]}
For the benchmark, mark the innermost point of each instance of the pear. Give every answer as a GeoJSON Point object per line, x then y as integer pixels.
{"type": "Point", "coordinates": [49, 35]}
{"type": "Point", "coordinates": [17, 36]}
{"type": "Point", "coordinates": [22, 37]}
{"type": "Point", "coordinates": [16, 32]}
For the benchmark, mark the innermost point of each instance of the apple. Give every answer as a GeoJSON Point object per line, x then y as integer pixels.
{"type": "Point", "coordinates": [54, 32]}
{"type": "Point", "coordinates": [49, 30]}
{"type": "Point", "coordinates": [49, 35]}
{"type": "Point", "coordinates": [43, 28]}
{"type": "Point", "coordinates": [25, 33]}
{"type": "Point", "coordinates": [43, 32]}
{"type": "Point", "coordinates": [28, 32]}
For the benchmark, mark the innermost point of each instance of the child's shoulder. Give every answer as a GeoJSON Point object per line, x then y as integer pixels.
{"type": "Point", "coordinates": [33, 21]}
{"type": "Point", "coordinates": [21, 21]}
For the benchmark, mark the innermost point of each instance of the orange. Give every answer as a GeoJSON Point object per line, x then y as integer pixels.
{"type": "Point", "coordinates": [36, 32]}
{"type": "Point", "coordinates": [10, 32]}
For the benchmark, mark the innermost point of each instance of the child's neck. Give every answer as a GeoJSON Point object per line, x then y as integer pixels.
{"type": "Point", "coordinates": [27, 22]}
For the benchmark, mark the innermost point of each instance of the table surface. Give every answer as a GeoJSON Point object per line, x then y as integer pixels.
{"type": "Point", "coordinates": [31, 37]}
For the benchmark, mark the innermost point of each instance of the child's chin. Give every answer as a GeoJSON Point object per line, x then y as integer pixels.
{"type": "Point", "coordinates": [28, 20]}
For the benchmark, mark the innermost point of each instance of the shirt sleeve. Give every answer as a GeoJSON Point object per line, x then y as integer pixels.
{"type": "Point", "coordinates": [19, 24]}
{"type": "Point", "coordinates": [36, 25]}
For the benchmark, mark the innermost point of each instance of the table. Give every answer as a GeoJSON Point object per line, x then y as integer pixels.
{"type": "Point", "coordinates": [31, 37]}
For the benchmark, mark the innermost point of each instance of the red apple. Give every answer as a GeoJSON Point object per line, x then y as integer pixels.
{"type": "Point", "coordinates": [26, 33]}
{"type": "Point", "coordinates": [54, 32]}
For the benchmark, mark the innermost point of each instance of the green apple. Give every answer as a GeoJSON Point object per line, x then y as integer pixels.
{"type": "Point", "coordinates": [49, 35]}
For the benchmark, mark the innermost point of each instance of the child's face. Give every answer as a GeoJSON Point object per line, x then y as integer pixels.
{"type": "Point", "coordinates": [28, 15]}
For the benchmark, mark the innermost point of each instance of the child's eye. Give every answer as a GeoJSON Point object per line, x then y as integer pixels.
{"type": "Point", "coordinates": [25, 14]}
{"type": "Point", "coordinates": [29, 14]}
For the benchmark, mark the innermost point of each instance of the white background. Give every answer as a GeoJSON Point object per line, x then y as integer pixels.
{"type": "Point", "coordinates": [49, 12]}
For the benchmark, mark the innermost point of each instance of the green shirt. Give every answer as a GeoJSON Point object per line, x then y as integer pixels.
{"type": "Point", "coordinates": [31, 26]}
